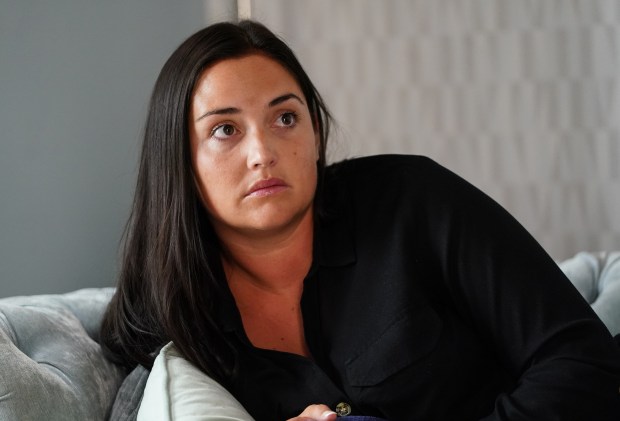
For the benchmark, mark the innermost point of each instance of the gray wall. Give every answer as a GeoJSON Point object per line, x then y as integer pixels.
{"type": "Point", "coordinates": [75, 77]}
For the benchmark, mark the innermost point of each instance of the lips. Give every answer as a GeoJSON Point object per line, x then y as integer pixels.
{"type": "Point", "coordinates": [266, 187]}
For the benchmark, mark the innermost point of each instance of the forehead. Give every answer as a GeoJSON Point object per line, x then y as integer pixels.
{"type": "Point", "coordinates": [243, 78]}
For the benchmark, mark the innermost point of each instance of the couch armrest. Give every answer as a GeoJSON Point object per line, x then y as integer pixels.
{"type": "Point", "coordinates": [51, 365]}
{"type": "Point", "coordinates": [597, 277]}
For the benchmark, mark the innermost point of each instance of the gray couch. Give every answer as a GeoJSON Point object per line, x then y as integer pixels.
{"type": "Point", "coordinates": [52, 368]}
{"type": "Point", "coordinates": [51, 365]}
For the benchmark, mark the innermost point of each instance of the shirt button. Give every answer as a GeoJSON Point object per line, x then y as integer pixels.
{"type": "Point", "coordinates": [343, 409]}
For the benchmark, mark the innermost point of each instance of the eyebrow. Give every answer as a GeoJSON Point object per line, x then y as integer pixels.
{"type": "Point", "coordinates": [283, 98]}
{"type": "Point", "coordinates": [233, 110]}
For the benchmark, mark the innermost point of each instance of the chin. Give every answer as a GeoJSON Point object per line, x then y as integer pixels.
{"type": "Point", "coordinates": [275, 221]}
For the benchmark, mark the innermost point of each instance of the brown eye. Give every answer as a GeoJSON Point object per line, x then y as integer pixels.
{"type": "Point", "coordinates": [288, 119]}
{"type": "Point", "coordinates": [224, 131]}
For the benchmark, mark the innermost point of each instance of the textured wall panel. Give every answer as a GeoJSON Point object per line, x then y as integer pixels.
{"type": "Point", "coordinates": [520, 97]}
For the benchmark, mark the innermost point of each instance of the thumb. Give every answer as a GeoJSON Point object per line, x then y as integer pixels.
{"type": "Point", "coordinates": [316, 413]}
{"type": "Point", "coordinates": [328, 415]}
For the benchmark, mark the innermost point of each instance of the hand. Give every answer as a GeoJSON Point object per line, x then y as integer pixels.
{"type": "Point", "coordinates": [316, 413]}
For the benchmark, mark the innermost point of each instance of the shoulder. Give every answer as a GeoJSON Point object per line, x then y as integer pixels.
{"type": "Point", "coordinates": [392, 185]}
{"type": "Point", "coordinates": [382, 164]}
{"type": "Point", "coordinates": [390, 174]}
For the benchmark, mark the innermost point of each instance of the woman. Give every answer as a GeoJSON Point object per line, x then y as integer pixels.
{"type": "Point", "coordinates": [387, 285]}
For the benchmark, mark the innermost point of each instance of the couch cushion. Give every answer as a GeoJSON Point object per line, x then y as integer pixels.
{"type": "Point", "coordinates": [129, 396]}
{"type": "Point", "coordinates": [51, 366]}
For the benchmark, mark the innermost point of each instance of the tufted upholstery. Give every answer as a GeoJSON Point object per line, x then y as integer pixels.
{"type": "Point", "coordinates": [51, 366]}
{"type": "Point", "coordinates": [597, 277]}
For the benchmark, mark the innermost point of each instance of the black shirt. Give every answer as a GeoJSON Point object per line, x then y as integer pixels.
{"type": "Point", "coordinates": [427, 301]}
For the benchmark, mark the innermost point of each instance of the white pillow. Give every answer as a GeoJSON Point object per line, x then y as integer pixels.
{"type": "Point", "coordinates": [178, 391]}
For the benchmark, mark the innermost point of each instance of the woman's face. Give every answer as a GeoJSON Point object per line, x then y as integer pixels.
{"type": "Point", "coordinates": [254, 147]}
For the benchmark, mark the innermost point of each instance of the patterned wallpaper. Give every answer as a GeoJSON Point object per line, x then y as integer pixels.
{"type": "Point", "coordinates": [520, 97]}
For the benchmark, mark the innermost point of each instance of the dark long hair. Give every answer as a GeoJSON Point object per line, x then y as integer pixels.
{"type": "Point", "coordinates": [170, 264]}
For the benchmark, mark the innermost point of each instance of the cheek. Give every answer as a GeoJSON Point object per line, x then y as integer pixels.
{"type": "Point", "coordinates": [308, 148]}
{"type": "Point", "coordinates": [212, 182]}
{"type": "Point", "coordinates": [216, 198]}
{"type": "Point", "coordinates": [307, 168]}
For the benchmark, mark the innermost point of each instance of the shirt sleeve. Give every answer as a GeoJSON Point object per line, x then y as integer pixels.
{"type": "Point", "coordinates": [565, 362]}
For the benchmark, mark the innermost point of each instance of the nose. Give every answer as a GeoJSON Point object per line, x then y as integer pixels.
{"type": "Point", "coordinates": [261, 150]}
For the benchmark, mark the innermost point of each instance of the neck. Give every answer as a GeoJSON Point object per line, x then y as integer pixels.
{"type": "Point", "coordinates": [274, 263]}
{"type": "Point", "coordinates": [265, 275]}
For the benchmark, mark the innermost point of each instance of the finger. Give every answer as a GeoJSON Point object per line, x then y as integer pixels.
{"type": "Point", "coordinates": [327, 416]}
{"type": "Point", "coordinates": [316, 413]}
